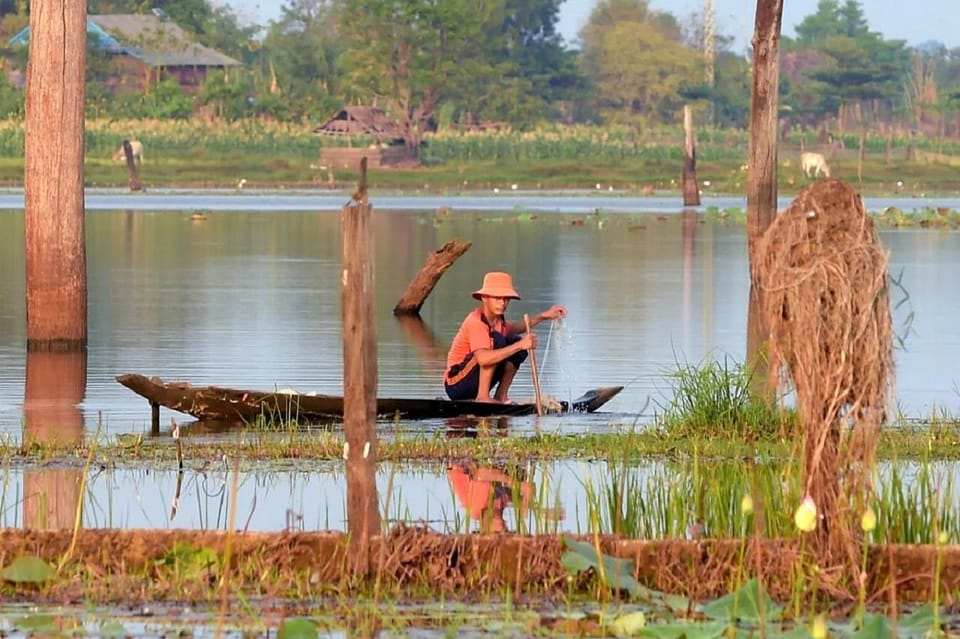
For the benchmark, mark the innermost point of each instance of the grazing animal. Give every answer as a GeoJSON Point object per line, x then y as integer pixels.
{"type": "Point", "coordinates": [813, 164]}
{"type": "Point", "coordinates": [136, 146]}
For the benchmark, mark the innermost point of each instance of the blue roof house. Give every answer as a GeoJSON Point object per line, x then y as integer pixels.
{"type": "Point", "coordinates": [147, 48]}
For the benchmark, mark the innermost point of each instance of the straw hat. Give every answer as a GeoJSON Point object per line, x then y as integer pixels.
{"type": "Point", "coordinates": [497, 284]}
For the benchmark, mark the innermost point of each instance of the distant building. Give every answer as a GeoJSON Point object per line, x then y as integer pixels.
{"type": "Point", "coordinates": [383, 139]}
{"type": "Point", "coordinates": [362, 122]}
{"type": "Point", "coordinates": [145, 49]}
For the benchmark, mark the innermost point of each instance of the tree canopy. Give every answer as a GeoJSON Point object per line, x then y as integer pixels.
{"type": "Point", "coordinates": [432, 62]}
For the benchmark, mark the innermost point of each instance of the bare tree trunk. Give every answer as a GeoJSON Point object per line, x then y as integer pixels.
{"type": "Point", "coordinates": [427, 277]}
{"type": "Point", "coordinates": [360, 375]}
{"type": "Point", "coordinates": [762, 151]}
{"type": "Point", "coordinates": [135, 184]}
{"type": "Point", "coordinates": [688, 178]}
{"type": "Point", "coordinates": [762, 176]}
{"type": "Point", "coordinates": [56, 263]}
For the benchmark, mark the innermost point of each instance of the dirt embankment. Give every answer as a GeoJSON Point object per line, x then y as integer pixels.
{"type": "Point", "coordinates": [178, 565]}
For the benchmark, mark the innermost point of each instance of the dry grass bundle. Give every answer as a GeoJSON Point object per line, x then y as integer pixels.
{"type": "Point", "coordinates": [823, 277]}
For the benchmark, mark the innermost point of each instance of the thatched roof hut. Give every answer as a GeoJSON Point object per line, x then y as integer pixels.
{"type": "Point", "coordinates": [356, 121]}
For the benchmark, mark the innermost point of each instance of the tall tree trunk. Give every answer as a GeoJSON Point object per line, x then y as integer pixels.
{"type": "Point", "coordinates": [360, 374]}
{"type": "Point", "coordinates": [56, 264]}
{"type": "Point", "coordinates": [688, 173]}
{"type": "Point", "coordinates": [762, 173]}
{"type": "Point", "coordinates": [762, 151]}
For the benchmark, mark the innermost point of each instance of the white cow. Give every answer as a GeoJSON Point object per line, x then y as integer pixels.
{"type": "Point", "coordinates": [813, 164]}
{"type": "Point", "coordinates": [136, 146]}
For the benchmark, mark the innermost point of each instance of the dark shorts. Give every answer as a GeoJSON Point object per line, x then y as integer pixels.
{"type": "Point", "coordinates": [463, 380]}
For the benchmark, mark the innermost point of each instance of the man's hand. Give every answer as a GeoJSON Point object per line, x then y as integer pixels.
{"type": "Point", "coordinates": [528, 341]}
{"type": "Point", "coordinates": [554, 312]}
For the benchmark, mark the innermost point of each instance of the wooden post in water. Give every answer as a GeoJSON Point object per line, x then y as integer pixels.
{"type": "Point", "coordinates": [135, 184]}
{"type": "Point", "coordinates": [360, 374]}
{"type": "Point", "coordinates": [690, 188]}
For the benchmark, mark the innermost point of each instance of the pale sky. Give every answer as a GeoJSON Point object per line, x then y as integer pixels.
{"type": "Point", "coordinates": [915, 21]}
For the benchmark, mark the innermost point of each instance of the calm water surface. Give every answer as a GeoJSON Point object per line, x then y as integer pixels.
{"type": "Point", "coordinates": [313, 496]}
{"type": "Point", "coordinates": [251, 299]}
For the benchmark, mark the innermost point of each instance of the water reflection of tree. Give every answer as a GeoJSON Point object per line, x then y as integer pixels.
{"type": "Point", "coordinates": [55, 386]}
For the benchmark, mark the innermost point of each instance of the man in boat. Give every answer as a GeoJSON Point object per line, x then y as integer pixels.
{"type": "Point", "coordinates": [488, 349]}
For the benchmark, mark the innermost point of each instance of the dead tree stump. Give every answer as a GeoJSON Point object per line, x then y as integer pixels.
{"type": "Point", "coordinates": [690, 186]}
{"type": "Point", "coordinates": [135, 184]}
{"type": "Point", "coordinates": [420, 287]}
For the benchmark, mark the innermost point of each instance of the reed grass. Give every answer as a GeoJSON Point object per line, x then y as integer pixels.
{"type": "Point", "coordinates": [715, 399]}
{"type": "Point", "coordinates": [936, 438]}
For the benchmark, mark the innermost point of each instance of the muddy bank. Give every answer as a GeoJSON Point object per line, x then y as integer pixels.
{"type": "Point", "coordinates": [134, 566]}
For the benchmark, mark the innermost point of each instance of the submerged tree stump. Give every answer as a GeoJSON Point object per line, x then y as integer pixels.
{"type": "Point", "coordinates": [135, 184]}
{"type": "Point", "coordinates": [420, 287]}
{"type": "Point", "coordinates": [690, 186]}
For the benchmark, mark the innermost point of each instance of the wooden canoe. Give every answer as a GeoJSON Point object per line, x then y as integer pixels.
{"type": "Point", "coordinates": [215, 403]}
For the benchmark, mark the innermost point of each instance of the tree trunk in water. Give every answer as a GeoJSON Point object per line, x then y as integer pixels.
{"type": "Point", "coordinates": [688, 179]}
{"type": "Point", "coordinates": [135, 184]}
{"type": "Point", "coordinates": [56, 264]}
{"type": "Point", "coordinates": [762, 151]}
{"type": "Point", "coordinates": [762, 163]}
{"type": "Point", "coordinates": [427, 277]}
{"type": "Point", "coordinates": [360, 379]}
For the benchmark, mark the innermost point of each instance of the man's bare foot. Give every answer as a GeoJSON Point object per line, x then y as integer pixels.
{"type": "Point", "coordinates": [486, 399]}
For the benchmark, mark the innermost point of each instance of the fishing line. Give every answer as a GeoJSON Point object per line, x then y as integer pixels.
{"type": "Point", "coordinates": [546, 352]}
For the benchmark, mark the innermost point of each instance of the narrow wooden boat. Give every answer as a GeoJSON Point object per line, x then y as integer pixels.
{"type": "Point", "coordinates": [215, 403]}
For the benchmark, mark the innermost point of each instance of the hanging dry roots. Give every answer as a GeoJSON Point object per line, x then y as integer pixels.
{"type": "Point", "coordinates": [822, 274]}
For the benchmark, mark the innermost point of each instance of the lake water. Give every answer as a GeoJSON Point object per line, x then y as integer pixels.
{"type": "Point", "coordinates": [300, 495]}
{"type": "Point", "coordinates": [251, 299]}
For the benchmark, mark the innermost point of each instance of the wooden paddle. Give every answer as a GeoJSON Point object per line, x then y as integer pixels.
{"type": "Point", "coordinates": [533, 370]}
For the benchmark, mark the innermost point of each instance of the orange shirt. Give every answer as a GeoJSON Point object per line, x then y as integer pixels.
{"type": "Point", "coordinates": [473, 495]}
{"type": "Point", "coordinates": [474, 335]}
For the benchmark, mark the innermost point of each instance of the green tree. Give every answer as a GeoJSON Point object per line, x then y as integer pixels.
{"type": "Point", "coordinates": [838, 66]}
{"type": "Point", "coordinates": [224, 33]}
{"type": "Point", "coordinates": [637, 61]}
{"type": "Point", "coordinates": [411, 55]}
{"type": "Point", "coordinates": [11, 99]}
{"type": "Point", "coordinates": [534, 70]}
{"type": "Point", "coordinates": [300, 58]}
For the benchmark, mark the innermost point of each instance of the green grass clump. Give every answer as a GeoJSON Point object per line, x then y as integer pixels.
{"type": "Point", "coordinates": [716, 399]}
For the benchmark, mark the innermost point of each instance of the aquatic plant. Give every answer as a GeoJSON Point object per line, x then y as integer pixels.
{"type": "Point", "coordinates": [714, 399]}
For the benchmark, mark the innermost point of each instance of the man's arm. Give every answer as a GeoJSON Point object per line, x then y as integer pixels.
{"type": "Point", "coordinates": [491, 356]}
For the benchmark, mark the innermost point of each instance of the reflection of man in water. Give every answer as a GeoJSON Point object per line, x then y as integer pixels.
{"type": "Point", "coordinates": [485, 492]}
